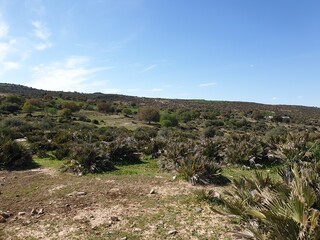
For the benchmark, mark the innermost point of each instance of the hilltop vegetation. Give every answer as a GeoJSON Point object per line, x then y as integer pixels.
{"type": "Point", "coordinates": [201, 142]}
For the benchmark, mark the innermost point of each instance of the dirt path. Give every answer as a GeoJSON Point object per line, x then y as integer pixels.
{"type": "Point", "coordinates": [104, 207]}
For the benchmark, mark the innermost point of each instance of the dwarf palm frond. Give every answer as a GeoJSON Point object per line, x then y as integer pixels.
{"type": "Point", "coordinates": [279, 209]}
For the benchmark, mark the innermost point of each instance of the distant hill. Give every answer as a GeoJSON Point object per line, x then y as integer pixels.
{"type": "Point", "coordinates": [299, 112]}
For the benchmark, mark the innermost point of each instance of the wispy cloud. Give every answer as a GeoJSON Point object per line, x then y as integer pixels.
{"type": "Point", "coordinates": [41, 30]}
{"type": "Point", "coordinates": [275, 98]}
{"type": "Point", "coordinates": [4, 29]}
{"type": "Point", "coordinates": [156, 89]}
{"type": "Point", "coordinates": [207, 84]}
{"type": "Point", "coordinates": [10, 65]}
{"type": "Point", "coordinates": [6, 48]}
{"type": "Point", "coordinates": [6, 64]}
{"type": "Point", "coordinates": [43, 46]}
{"type": "Point", "coordinates": [149, 68]}
{"type": "Point", "coordinates": [72, 74]}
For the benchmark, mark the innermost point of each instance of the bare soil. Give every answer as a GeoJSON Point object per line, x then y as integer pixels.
{"type": "Point", "coordinates": [105, 207]}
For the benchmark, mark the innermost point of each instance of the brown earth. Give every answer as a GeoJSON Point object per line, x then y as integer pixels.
{"type": "Point", "coordinates": [105, 207]}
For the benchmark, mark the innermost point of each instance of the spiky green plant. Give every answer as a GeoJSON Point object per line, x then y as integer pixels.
{"type": "Point", "coordinates": [193, 162]}
{"type": "Point", "coordinates": [295, 148]}
{"type": "Point", "coordinates": [241, 147]}
{"type": "Point", "coordinates": [278, 209]}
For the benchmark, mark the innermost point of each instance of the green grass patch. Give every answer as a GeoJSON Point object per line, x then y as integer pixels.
{"type": "Point", "coordinates": [48, 163]}
{"type": "Point", "coordinates": [148, 167]}
{"type": "Point", "coordinates": [236, 172]}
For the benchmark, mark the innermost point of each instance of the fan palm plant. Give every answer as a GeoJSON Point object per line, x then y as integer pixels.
{"type": "Point", "coordinates": [278, 209]}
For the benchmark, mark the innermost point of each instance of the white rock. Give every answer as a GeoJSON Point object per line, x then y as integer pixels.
{"type": "Point", "coordinates": [172, 232]}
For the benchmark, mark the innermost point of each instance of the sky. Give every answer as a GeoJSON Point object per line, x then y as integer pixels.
{"type": "Point", "coordinates": [265, 51]}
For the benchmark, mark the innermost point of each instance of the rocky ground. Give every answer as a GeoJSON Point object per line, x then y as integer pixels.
{"type": "Point", "coordinates": [46, 204]}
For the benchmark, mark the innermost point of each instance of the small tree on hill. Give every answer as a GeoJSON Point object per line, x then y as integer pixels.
{"type": "Point", "coordinates": [28, 108]}
{"type": "Point", "coordinates": [149, 114]}
{"type": "Point", "coordinates": [105, 107]}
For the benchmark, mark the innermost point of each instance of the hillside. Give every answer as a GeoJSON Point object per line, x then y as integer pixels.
{"type": "Point", "coordinates": [299, 112]}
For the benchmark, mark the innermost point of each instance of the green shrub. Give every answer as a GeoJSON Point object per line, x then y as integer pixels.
{"type": "Point", "coordinates": [126, 111]}
{"type": "Point", "coordinates": [209, 132]}
{"type": "Point", "coordinates": [145, 133]}
{"type": "Point", "coordinates": [62, 152]}
{"type": "Point", "coordinates": [168, 120]}
{"type": "Point", "coordinates": [121, 153]}
{"type": "Point", "coordinates": [191, 161]}
{"type": "Point", "coordinates": [95, 121]}
{"type": "Point", "coordinates": [286, 209]}
{"type": "Point", "coordinates": [241, 147]}
{"type": "Point", "coordinates": [17, 124]}
{"type": "Point", "coordinates": [14, 156]}
{"type": "Point", "coordinates": [88, 159]}
{"type": "Point", "coordinates": [63, 137]}
{"type": "Point", "coordinates": [9, 107]}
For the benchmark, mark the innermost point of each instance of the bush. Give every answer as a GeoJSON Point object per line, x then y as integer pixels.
{"type": "Point", "coordinates": [272, 209]}
{"type": "Point", "coordinates": [14, 156]}
{"type": "Point", "coordinates": [145, 133]}
{"type": "Point", "coordinates": [18, 125]}
{"type": "Point", "coordinates": [149, 114]}
{"type": "Point", "coordinates": [105, 107]}
{"type": "Point", "coordinates": [9, 107]}
{"type": "Point", "coordinates": [121, 153]}
{"type": "Point", "coordinates": [95, 121]}
{"type": "Point", "coordinates": [88, 159]}
{"type": "Point", "coordinates": [241, 147]}
{"type": "Point", "coordinates": [192, 163]}
{"type": "Point", "coordinates": [72, 106]}
{"type": "Point", "coordinates": [126, 111]}
{"type": "Point", "coordinates": [209, 132]}
{"type": "Point", "coordinates": [62, 152]}
{"type": "Point", "coordinates": [168, 120]}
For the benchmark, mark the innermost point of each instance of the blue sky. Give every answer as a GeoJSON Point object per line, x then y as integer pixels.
{"type": "Point", "coordinates": [264, 51]}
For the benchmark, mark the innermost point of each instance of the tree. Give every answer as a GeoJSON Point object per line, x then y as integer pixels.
{"type": "Point", "coordinates": [105, 107]}
{"type": "Point", "coordinates": [71, 105]}
{"type": "Point", "coordinates": [149, 114]}
{"type": "Point", "coordinates": [28, 107]}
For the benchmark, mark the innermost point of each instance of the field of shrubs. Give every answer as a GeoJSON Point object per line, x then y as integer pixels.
{"type": "Point", "coordinates": [278, 196]}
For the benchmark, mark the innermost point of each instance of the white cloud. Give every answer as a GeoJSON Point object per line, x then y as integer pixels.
{"type": "Point", "coordinates": [5, 49]}
{"type": "Point", "coordinates": [156, 90]}
{"type": "Point", "coordinates": [275, 98]}
{"type": "Point", "coordinates": [11, 65]}
{"type": "Point", "coordinates": [4, 29]}
{"type": "Point", "coordinates": [71, 74]}
{"type": "Point", "coordinates": [43, 46]}
{"type": "Point", "coordinates": [207, 84]}
{"type": "Point", "coordinates": [149, 68]}
{"type": "Point", "coordinates": [41, 31]}
{"type": "Point", "coordinates": [75, 61]}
